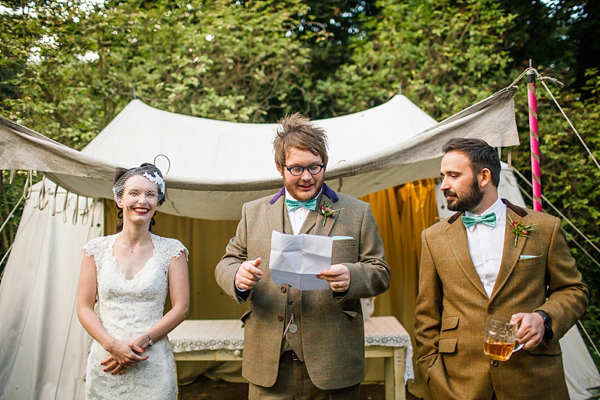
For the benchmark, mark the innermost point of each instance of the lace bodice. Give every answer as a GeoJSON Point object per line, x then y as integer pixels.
{"type": "Point", "coordinates": [129, 307]}
{"type": "Point", "coordinates": [126, 309]}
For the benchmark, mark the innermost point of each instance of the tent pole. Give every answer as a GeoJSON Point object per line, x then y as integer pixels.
{"type": "Point", "coordinates": [534, 141]}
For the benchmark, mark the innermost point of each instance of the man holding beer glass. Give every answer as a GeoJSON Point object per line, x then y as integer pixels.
{"type": "Point", "coordinates": [493, 260]}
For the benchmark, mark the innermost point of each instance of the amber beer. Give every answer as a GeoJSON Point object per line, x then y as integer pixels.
{"type": "Point", "coordinates": [497, 350]}
{"type": "Point", "coordinates": [499, 340]}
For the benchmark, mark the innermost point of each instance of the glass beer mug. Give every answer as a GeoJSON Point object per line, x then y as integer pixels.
{"type": "Point", "coordinates": [500, 342]}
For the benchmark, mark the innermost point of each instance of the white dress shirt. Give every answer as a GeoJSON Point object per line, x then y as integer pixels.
{"type": "Point", "coordinates": [298, 216]}
{"type": "Point", "coordinates": [486, 245]}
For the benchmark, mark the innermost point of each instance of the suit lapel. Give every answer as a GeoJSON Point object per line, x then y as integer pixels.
{"type": "Point", "coordinates": [314, 220]}
{"type": "Point", "coordinates": [457, 237]}
{"type": "Point", "coordinates": [309, 222]}
{"type": "Point", "coordinates": [320, 228]}
{"type": "Point", "coordinates": [510, 252]}
{"type": "Point", "coordinates": [275, 216]}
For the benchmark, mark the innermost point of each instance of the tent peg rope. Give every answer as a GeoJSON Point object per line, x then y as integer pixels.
{"type": "Point", "coordinates": [588, 337]}
{"type": "Point", "coordinates": [4, 258]}
{"type": "Point", "coordinates": [25, 195]}
{"type": "Point", "coordinates": [569, 236]}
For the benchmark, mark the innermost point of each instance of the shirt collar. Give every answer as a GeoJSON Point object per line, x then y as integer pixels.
{"type": "Point", "coordinates": [498, 208]}
{"type": "Point", "coordinates": [326, 190]}
{"type": "Point", "coordinates": [288, 196]}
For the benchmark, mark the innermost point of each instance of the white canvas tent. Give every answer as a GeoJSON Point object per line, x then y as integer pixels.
{"type": "Point", "coordinates": [214, 168]}
{"type": "Point", "coordinates": [217, 166]}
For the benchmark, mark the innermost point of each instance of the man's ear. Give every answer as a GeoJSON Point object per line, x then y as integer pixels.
{"type": "Point", "coordinates": [279, 169]}
{"type": "Point", "coordinates": [485, 177]}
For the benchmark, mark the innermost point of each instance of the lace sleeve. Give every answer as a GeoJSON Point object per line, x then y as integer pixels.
{"type": "Point", "coordinates": [95, 248]}
{"type": "Point", "coordinates": [166, 249]}
{"type": "Point", "coordinates": [172, 248]}
{"type": "Point", "coordinates": [175, 249]}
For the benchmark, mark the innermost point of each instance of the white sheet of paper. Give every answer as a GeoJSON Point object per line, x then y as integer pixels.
{"type": "Point", "coordinates": [298, 259]}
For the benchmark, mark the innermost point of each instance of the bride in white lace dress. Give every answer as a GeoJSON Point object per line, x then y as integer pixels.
{"type": "Point", "coordinates": [129, 274]}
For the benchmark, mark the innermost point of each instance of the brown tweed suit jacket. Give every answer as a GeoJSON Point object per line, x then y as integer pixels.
{"type": "Point", "coordinates": [330, 336]}
{"type": "Point", "coordinates": [452, 307]}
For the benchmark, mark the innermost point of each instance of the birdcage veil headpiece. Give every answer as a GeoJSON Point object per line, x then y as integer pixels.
{"type": "Point", "coordinates": [148, 171]}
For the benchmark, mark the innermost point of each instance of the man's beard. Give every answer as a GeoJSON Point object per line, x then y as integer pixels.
{"type": "Point", "coordinates": [469, 201]}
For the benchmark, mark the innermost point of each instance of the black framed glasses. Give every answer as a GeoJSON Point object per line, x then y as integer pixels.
{"type": "Point", "coordinates": [298, 170]}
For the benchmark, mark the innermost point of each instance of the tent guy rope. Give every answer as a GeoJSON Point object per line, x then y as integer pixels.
{"type": "Point", "coordinates": [569, 236]}
{"type": "Point", "coordinates": [24, 196]}
{"type": "Point", "coordinates": [542, 78]}
{"type": "Point", "coordinates": [560, 214]}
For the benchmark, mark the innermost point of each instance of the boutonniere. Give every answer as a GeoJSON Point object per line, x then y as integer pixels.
{"type": "Point", "coordinates": [326, 209]}
{"type": "Point", "coordinates": [520, 229]}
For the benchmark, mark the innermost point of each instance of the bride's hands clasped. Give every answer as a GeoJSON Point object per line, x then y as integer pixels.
{"type": "Point", "coordinates": [124, 354]}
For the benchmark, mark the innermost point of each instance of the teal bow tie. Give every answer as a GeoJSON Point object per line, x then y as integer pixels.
{"type": "Point", "coordinates": [293, 205]}
{"type": "Point", "coordinates": [487, 219]}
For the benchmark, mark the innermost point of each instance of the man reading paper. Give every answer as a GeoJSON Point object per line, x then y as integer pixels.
{"type": "Point", "coordinates": [304, 344]}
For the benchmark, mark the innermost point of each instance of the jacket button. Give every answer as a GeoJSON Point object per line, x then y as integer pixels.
{"type": "Point", "coordinates": [494, 363]}
{"type": "Point", "coordinates": [290, 302]}
{"type": "Point", "coordinates": [279, 318]}
{"type": "Point", "coordinates": [490, 310]}
{"type": "Point", "coordinates": [283, 289]}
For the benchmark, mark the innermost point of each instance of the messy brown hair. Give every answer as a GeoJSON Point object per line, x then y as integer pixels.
{"type": "Point", "coordinates": [297, 131]}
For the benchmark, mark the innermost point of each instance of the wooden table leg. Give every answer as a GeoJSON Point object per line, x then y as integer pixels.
{"type": "Point", "coordinates": [388, 374]}
{"type": "Point", "coordinates": [399, 389]}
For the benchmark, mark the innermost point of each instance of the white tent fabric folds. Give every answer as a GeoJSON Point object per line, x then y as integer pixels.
{"type": "Point", "coordinates": [215, 166]}
{"type": "Point", "coordinates": [43, 347]}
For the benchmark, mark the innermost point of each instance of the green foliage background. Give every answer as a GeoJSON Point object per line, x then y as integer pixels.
{"type": "Point", "coordinates": [67, 68]}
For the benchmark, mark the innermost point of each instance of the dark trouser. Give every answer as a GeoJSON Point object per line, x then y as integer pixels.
{"type": "Point", "coordinates": [293, 383]}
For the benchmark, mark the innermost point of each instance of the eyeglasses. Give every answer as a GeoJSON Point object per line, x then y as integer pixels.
{"type": "Point", "coordinates": [298, 171]}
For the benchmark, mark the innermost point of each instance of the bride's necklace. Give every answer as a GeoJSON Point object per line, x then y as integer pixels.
{"type": "Point", "coordinates": [137, 245]}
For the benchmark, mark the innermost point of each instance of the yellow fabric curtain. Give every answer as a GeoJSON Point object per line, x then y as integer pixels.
{"type": "Point", "coordinates": [402, 212]}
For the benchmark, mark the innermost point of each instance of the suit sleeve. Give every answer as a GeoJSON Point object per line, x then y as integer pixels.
{"type": "Point", "coordinates": [567, 294]}
{"type": "Point", "coordinates": [369, 276]}
{"type": "Point", "coordinates": [428, 313]}
{"type": "Point", "coordinates": [235, 254]}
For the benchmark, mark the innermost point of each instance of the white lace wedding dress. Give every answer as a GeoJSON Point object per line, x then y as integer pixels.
{"type": "Point", "coordinates": [128, 308]}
